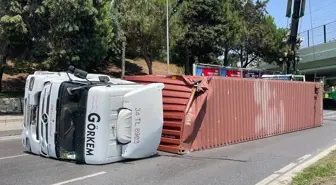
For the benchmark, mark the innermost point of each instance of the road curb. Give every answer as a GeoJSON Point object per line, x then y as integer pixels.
{"type": "Point", "coordinates": [11, 123]}
{"type": "Point", "coordinates": [6, 138]}
{"type": "Point", "coordinates": [286, 179]}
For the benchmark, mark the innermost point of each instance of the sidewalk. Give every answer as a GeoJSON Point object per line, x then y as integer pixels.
{"type": "Point", "coordinates": [11, 122]}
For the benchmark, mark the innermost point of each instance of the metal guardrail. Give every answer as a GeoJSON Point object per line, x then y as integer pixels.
{"type": "Point", "coordinates": [319, 35]}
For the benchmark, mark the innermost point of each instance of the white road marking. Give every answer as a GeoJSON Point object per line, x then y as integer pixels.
{"type": "Point", "coordinates": [286, 168]}
{"type": "Point", "coordinates": [304, 158]}
{"type": "Point", "coordinates": [13, 156]}
{"type": "Point", "coordinates": [80, 178]}
{"type": "Point", "coordinates": [268, 179]}
{"type": "Point", "coordinates": [287, 177]}
{"type": "Point", "coordinates": [10, 138]}
{"type": "Point", "coordinates": [328, 113]}
{"type": "Point", "coordinates": [332, 116]}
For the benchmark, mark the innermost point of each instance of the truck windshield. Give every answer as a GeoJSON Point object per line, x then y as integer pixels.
{"type": "Point", "coordinates": [70, 122]}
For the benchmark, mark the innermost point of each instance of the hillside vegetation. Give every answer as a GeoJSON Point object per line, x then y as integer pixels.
{"type": "Point", "coordinates": [14, 79]}
{"type": "Point", "coordinates": [92, 35]}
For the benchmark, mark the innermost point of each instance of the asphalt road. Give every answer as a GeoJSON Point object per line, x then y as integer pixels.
{"type": "Point", "coordinates": [241, 164]}
{"type": "Point", "coordinates": [10, 133]}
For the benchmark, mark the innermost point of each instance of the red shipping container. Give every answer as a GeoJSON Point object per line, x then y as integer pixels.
{"type": "Point", "coordinates": [208, 112]}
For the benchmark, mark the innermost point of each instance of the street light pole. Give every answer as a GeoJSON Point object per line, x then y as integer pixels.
{"type": "Point", "coordinates": [167, 6]}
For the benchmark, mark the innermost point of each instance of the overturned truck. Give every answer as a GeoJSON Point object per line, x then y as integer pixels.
{"type": "Point", "coordinates": [91, 118]}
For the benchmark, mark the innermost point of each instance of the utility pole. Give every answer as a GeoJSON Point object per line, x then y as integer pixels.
{"type": "Point", "coordinates": [123, 60]}
{"type": "Point", "coordinates": [178, 2]}
{"type": "Point", "coordinates": [292, 40]}
{"type": "Point", "coordinates": [167, 9]}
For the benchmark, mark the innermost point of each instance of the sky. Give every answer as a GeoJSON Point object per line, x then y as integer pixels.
{"type": "Point", "coordinates": [318, 13]}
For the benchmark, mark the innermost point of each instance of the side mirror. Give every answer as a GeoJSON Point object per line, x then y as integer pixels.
{"type": "Point", "coordinates": [77, 72]}
{"type": "Point", "coordinates": [104, 79]}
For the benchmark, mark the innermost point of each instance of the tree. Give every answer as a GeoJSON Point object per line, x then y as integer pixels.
{"type": "Point", "coordinates": [13, 33]}
{"type": "Point", "coordinates": [204, 20]}
{"type": "Point", "coordinates": [143, 23]}
{"type": "Point", "coordinates": [273, 48]}
{"type": "Point", "coordinates": [56, 33]}
{"type": "Point", "coordinates": [80, 33]}
{"type": "Point", "coordinates": [61, 32]}
{"type": "Point", "coordinates": [261, 39]}
{"type": "Point", "coordinates": [234, 28]}
{"type": "Point", "coordinates": [212, 28]}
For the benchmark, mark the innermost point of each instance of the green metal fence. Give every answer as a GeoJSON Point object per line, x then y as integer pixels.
{"type": "Point", "coordinates": [319, 35]}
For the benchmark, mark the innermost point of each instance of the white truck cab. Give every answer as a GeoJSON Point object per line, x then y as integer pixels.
{"type": "Point", "coordinates": [91, 118]}
{"type": "Point", "coordinates": [288, 77]}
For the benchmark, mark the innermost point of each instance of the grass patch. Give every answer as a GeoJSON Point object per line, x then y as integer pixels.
{"type": "Point", "coordinates": [322, 172]}
{"type": "Point", "coordinates": [11, 94]}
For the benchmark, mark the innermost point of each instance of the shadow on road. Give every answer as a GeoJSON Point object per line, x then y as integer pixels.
{"type": "Point", "coordinates": [204, 158]}
{"type": "Point", "coordinates": [130, 162]}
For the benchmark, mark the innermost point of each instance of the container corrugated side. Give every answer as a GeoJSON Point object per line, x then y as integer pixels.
{"type": "Point", "coordinates": [238, 110]}
{"type": "Point", "coordinates": [227, 110]}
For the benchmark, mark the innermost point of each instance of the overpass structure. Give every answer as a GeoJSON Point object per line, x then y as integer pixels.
{"type": "Point", "coordinates": [318, 54]}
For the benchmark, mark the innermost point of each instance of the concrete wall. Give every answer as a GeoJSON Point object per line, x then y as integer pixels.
{"type": "Point", "coordinates": [11, 110]}
{"type": "Point", "coordinates": [11, 105]}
